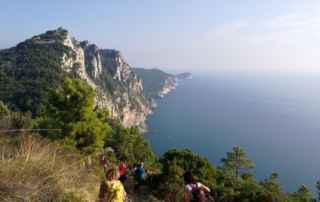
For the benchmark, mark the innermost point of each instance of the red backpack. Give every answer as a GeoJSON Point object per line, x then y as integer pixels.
{"type": "Point", "coordinates": [198, 194]}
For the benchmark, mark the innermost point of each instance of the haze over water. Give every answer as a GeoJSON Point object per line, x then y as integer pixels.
{"type": "Point", "coordinates": [274, 117]}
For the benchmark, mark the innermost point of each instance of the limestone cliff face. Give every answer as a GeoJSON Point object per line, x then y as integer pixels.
{"type": "Point", "coordinates": [169, 85]}
{"type": "Point", "coordinates": [76, 60]}
{"type": "Point", "coordinates": [92, 59]}
{"type": "Point", "coordinates": [116, 64]}
{"type": "Point", "coordinates": [118, 87]}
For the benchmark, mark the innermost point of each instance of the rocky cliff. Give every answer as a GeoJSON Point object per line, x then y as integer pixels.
{"type": "Point", "coordinates": [118, 88]}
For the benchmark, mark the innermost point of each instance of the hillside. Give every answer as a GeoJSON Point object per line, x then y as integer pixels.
{"type": "Point", "coordinates": [31, 69]}
{"type": "Point", "coordinates": [156, 83]}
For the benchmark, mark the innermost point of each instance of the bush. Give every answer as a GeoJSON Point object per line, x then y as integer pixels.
{"type": "Point", "coordinates": [13, 120]}
{"type": "Point", "coordinates": [181, 161]}
{"type": "Point", "coordinates": [130, 145]}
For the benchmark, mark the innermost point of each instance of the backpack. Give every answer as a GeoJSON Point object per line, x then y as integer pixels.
{"type": "Point", "coordinates": [197, 193]}
{"type": "Point", "coordinates": [140, 174]}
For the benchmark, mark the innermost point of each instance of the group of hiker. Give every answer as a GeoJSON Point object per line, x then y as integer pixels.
{"type": "Point", "coordinates": [113, 187]}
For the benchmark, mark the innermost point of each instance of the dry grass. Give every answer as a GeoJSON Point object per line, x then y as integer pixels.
{"type": "Point", "coordinates": [34, 169]}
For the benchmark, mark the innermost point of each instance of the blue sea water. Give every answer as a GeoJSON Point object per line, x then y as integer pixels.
{"type": "Point", "coordinates": [274, 117]}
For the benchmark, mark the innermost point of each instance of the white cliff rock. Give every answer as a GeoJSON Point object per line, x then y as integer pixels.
{"type": "Point", "coordinates": [118, 88]}
{"type": "Point", "coordinates": [76, 62]}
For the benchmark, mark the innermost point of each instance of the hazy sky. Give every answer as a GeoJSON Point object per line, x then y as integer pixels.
{"type": "Point", "coordinates": [180, 34]}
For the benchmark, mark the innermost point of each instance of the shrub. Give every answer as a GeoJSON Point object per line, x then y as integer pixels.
{"type": "Point", "coordinates": [13, 120]}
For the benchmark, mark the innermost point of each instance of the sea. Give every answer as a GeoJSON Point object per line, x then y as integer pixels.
{"type": "Point", "coordinates": [274, 117]}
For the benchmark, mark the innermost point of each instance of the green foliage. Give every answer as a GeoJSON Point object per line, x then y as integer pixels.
{"type": "Point", "coordinates": [174, 163]}
{"type": "Point", "coordinates": [103, 115]}
{"type": "Point", "coordinates": [249, 190]}
{"type": "Point", "coordinates": [130, 145]}
{"type": "Point", "coordinates": [232, 187]}
{"type": "Point", "coordinates": [14, 120]}
{"type": "Point", "coordinates": [70, 109]}
{"type": "Point", "coordinates": [73, 102]}
{"type": "Point", "coordinates": [185, 160]}
{"type": "Point", "coordinates": [87, 135]}
{"type": "Point", "coordinates": [272, 188]}
{"type": "Point", "coordinates": [28, 71]}
{"type": "Point", "coordinates": [236, 162]}
{"type": "Point", "coordinates": [4, 111]}
{"type": "Point", "coordinates": [318, 189]}
{"type": "Point", "coordinates": [303, 194]}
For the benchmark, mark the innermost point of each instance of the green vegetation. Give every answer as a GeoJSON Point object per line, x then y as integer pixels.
{"type": "Point", "coordinates": [28, 72]}
{"type": "Point", "coordinates": [236, 161]}
{"type": "Point", "coordinates": [225, 185]}
{"type": "Point", "coordinates": [13, 120]}
{"type": "Point", "coordinates": [70, 109]}
{"type": "Point", "coordinates": [318, 188]}
{"type": "Point", "coordinates": [174, 163]}
{"type": "Point", "coordinates": [130, 145]}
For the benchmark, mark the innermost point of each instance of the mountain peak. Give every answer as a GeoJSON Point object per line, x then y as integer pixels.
{"type": "Point", "coordinates": [51, 36]}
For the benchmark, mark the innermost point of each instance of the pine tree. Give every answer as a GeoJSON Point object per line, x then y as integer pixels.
{"type": "Point", "coordinates": [303, 195]}
{"type": "Point", "coordinates": [71, 109]}
{"type": "Point", "coordinates": [318, 188]}
{"type": "Point", "coordinates": [236, 161]}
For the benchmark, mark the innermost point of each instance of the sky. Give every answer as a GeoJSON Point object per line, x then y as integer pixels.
{"type": "Point", "coordinates": [181, 35]}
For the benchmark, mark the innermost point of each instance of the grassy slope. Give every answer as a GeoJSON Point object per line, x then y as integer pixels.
{"type": "Point", "coordinates": [34, 169]}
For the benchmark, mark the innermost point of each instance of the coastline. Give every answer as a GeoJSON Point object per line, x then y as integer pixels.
{"type": "Point", "coordinates": [169, 86]}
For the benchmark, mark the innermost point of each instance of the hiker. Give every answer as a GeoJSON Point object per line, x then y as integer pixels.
{"type": "Point", "coordinates": [123, 172]}
{"type": "Point", "coordinates": [140, 175]}
{"type": "Point", "coordinates": [195, 191]}
{"type": "Point", "coordinates": [104, 162]}
{"type": "Point", "coordinates": [112, 190]}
